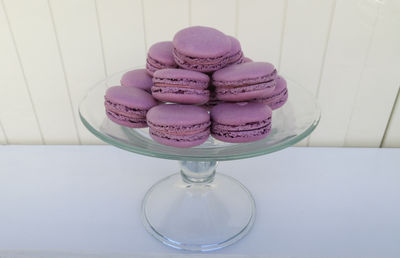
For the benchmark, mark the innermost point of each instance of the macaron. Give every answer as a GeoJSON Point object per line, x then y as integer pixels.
{"type": "Point", "coordinates": [213, 101]}
{"type": "Point", "coordinates": [235, 54]}
{"type": "Point", "coordinates": [240, 122]}
{"type": "Point", "coordinates": [179, 125]}
{"type": "Point", "coordinates": [278, 97]}
{"type": "Point", "coordinates": [128, 106]}
{"type": "Point", "coordinates": [246, 81]}
{"type": "Point", "coordinates": [160, 57]}
{"type": "Point", "coordinates": [202, 49]}
{"type": "Point", "coordinates": [180, 86]}
{"type": "Point", "coordinates": [138, 79]}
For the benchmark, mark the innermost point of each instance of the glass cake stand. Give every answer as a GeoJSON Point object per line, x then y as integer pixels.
{"type": "Point", "coordinates": [197, 209]}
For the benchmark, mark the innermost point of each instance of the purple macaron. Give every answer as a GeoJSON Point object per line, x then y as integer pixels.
{"type": "Point", "coordinates": [160, 57]}
{"type": "Point", "coordinates": [180, 86]}
{"type": "Point", "coordinates": [240, 122]}
{"type": "Point", "coordinates": [128, 106]}
{"type": "Point", "coordinates": [235, 54]}
{"type": "Point", "coordinates": [213, 101]}
{"type": "Point", "coordinates": [278, 97]}
{"type": "Point", "coordinates": [138, 79]}
{"type": "Point", "coordinates": [202, 49]}
{"type": "Point", "coordinates": [246, 81]}
{"type": "Point", "coordinates": [179, 125]}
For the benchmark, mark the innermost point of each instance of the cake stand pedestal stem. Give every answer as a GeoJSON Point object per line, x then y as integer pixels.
{"type": "Point", "coordinates": [198, 172]}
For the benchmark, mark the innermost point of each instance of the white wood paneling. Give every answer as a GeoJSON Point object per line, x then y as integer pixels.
{"type": "Point", "coordinates": [260, 24]}
{"type": "Point", "coordinates": [345, 52]}
{"type": "Point", "coordinates": [161, 25]}
{"type": "Point", "coordinates": [219, 14]}
{"type": "Point", "coordinates": [304, 44]}
{"type": "Point", "coordinates": [33, 79]}
{"type": "Point", "coordinates": [305, 40]}
{"type": "Point", "coordinates": [36, 43]}
{"type": "Point", "coordinates": [379, 82]}
{"type": "Point", "coordinates": [78, 37]}
{"type": "Point", "coordinates": [392, 136]}
{"type": "Point", "coordinates": [16, 111]}
{"type": "Point", "coordinates": [350, 38]}
{"type": "Point", "coordinates": [121, 26]}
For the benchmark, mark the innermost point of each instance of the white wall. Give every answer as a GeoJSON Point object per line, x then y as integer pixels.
{"type": "Point", "coordinates": [347, 52]}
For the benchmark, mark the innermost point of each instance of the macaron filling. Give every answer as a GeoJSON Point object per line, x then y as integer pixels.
{"type": "Point", "coordinates": [247, 81]}
{"type": "Point", "coordinates": [244, 127]}
{"type": "Point", "coordinates": [179, 81]}
{"type": "Point", "coordinates": [160, 56]}
{"type": "Point", "coordinates": [121, 108]}
{"type": "Point", "coordinates": [181, 137]}
{"type": "Point", "coordinates": [158, 65]}
{"type": "Point", "coordinates": [177, 129]}
{"type": "Point", "coordinates": [244, 133]}
{"type": "Point", "coordinates": [200, 60]}
{"type": "Point", "coordinates": [179, 90]}
{"type": "Point", "coordinates": [201, 64]}
{"type": "Point", "coordinates": [141, 121]}
{"type": "Point", "coordinates": [236, 58]}
{"type": "Point", "coordinates": [274, 97]}
{"type": "Point", "coordinates": [245, 88]}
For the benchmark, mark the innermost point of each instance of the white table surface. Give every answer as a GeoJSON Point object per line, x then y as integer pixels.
{"type": "Point", "coordinates": [84, 201]}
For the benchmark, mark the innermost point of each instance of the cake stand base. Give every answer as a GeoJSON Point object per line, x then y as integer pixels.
{"type": "Point", "coordinates": [197, 209]}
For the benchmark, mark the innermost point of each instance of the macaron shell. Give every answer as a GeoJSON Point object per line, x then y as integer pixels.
{"type": "Point", "coordinates": [177, 114]}
{"type": "Point", "coordinates": [179, 125]}
{"type": "Point", "coordinates": [181, 76]}
{"type": "Point", "coordinates": [123, 110]}
{"type": "Point", "coordinates": [182, 97]}
{"type": "Point", "coordinates": [180, 142]}
{"type": "Point", "coordinates": [205, 68]}
{"type": "Point", "coordinates": [244, 137]}
{"type": "Point", "coordinates": [240, 113]}
{"type": "Point", "coordinates": [180, 86]}
{"type": "Point", "coordinates": [235, 54]}
{"type": "Point", "coordinates": [240, 122]}
{"type": "Point", "coordinates": [245, 73]}
{"type": "Point", "coordinates": [279, 103]}
{"type": "Point", "coordinates": [180, 129]}
{"type": "Point", "coordinates": [162, 53]}
{"type": "Point", "coordinates": [202, 42]}
{"type": "Point", "coordinates": [130, 97]}
{"type": "Point", "coordinates": [245, 96]}
{"type": "Point", "coordinates": [126, 121]}
{"type": "Point", "coordinates": [137, 78]}
{"type": "Point", "coordinates": [278, 97]}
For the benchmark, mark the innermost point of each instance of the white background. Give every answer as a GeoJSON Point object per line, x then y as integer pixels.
{"type": "Point", "coordinates": [346, 52]}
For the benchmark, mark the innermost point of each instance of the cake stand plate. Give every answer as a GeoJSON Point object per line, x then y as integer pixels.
{"type": "Point", "coordinates": [197, 209]}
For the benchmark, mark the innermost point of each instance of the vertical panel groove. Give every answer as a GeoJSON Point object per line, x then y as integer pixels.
{"type": "Point", "coordinates": [23, 71]}
{"type": "Point", "coordinates": [362, 71]}
{"type": "Point", "coordinates": [390, 118]}
{"type": "Point", "coordinates": [144, 26]}
{"type": "Point", "coordinates": [326, 48]}
{"type": "Point", "coordinates": [236, 18]}
{"type": "Point", "coordinates": [321, 71]}
{"type": "Point", "coordinates": [4, 133]}
{"type": "Point", "coordinates": [101, 38]}
{"type": "Point", "coordinates": [63, 70]}
{"type": "Point", "coordinates": [285, 7]}
{"type": "Point", "coordinates": [189, 12]}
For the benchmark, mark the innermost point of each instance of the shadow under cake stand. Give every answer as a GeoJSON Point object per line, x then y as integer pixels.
{"type": "Point", "coordinates": [197, 209]}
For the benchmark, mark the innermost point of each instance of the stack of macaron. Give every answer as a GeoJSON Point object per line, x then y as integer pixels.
{"type": "Point", "coordinates": [197, 85]}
